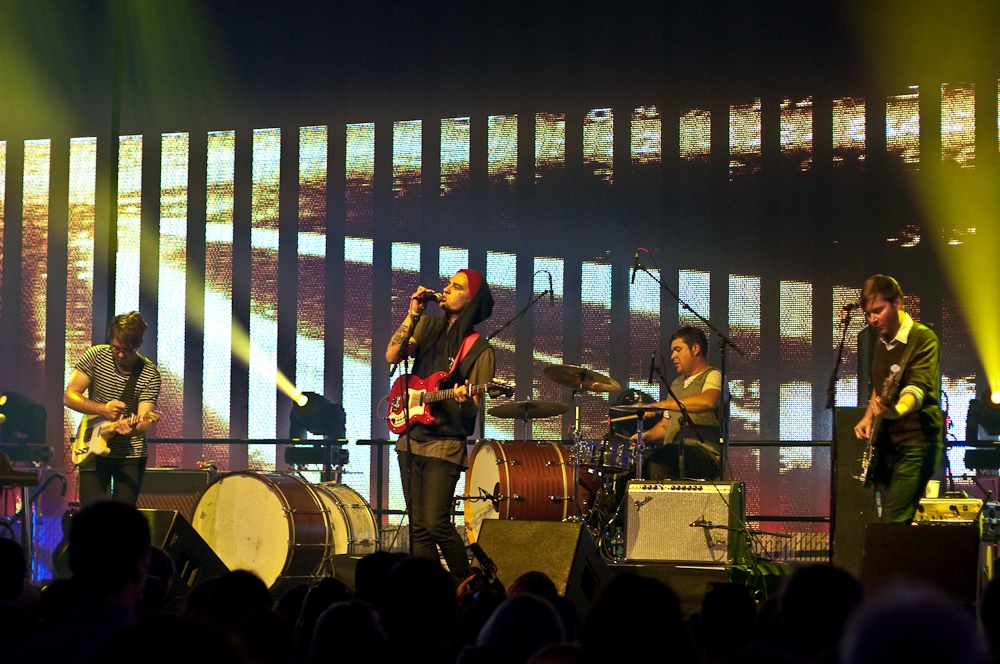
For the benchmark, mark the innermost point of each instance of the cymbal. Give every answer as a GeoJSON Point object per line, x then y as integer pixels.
{"type": "Point", "coordinates": [638, 409]}
{"type": "Point", "coordinates": [529, 410]}
{"type": "Point", "coordinates": [580, 378]}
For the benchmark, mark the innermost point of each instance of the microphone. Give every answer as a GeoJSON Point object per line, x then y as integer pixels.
{"type": "Point", "coordinates": [851, 306]}
{"type": "Point", "coordinates": [429, 296]}
{"type": "Point", "coordinates": [635, 265]}
{"type": "Point", "coordinates": [552, 299]}
{"type": "Point", "coordinates": [697, 523]}
{"type": "Point", "coordinates": [652, 365]}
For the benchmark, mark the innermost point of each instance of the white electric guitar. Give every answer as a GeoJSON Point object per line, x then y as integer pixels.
{"type": "Point", "coordinates": [95, 432]}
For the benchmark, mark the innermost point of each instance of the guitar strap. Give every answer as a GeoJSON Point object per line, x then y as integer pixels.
{"type": "Point", "coordinates": [467, 344]}
{"type": "Point", "coordinates": [908, 353]}
{"type": "Point", "coordinates": [133, 378]}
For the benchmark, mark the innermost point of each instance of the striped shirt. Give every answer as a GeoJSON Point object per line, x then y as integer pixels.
{"type": "Point", "coordinates": [107, 383]}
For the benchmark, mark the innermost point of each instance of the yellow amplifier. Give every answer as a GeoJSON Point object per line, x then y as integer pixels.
{"type": "Point", "coordinates": [948, 510]}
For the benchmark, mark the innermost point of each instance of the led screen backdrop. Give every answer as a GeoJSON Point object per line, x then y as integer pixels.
{"type": "Point", "coordinates": [230, 255]}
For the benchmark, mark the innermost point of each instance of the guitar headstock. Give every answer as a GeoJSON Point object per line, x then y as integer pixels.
{"type": "Point", "coordinates": [499, 387]}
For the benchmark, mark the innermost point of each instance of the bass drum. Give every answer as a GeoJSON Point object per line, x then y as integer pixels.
{"type": "Point", "coordinates": [522, 480]}
{"type": "Point", "coordinates": [353, 528]}
{"type": "Point", "coordinates": [272, 524]}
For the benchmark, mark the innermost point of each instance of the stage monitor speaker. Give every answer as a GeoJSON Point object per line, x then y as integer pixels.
{"type": "Point", "coordinates": [685, 521]}
{"type": "Point", "coordinates": [174, 489]}
{"type": "Point", "coordinates": [194, 559]}
{"type": "Point", "coordinates": [853, 503]}
{"type": "Point", "coordinates": [564, 551]}
{"type": "Point", "coordinates": [943, 555]}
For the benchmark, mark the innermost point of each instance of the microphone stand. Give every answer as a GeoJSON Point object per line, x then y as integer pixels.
{"type": "Point", "coordinates": [724, 344]}
{"type": "Point", "coordinates": [831, 398]}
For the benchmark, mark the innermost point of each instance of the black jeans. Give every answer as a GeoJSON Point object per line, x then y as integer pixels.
{"type": "Point", "coordinates": [96, 478]}
{"type": "Point", "coordinates": [701, 461]}
{"type": "Point", "coordinates": [901, 476]}
{"type": "Point", "coordinates": [430, 497]}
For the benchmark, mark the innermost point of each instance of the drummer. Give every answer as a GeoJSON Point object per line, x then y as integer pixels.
{"type": "Point", "coordinates": [699, 388]}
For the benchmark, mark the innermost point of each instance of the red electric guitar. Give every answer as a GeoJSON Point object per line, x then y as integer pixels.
{"type": "Point", "coordinates": [423, 392]}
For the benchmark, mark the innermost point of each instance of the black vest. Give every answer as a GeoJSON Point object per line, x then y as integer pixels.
{"type": "Point", "coordinates": [432, 356]}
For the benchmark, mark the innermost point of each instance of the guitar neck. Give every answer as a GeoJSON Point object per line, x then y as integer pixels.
{"type": "Point", "coordinates": [131, 420]}
{"type": "Point", "coordinates": [442, 395]}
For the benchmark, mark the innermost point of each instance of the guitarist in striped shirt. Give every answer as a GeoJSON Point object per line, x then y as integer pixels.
{"type": "Point", "coordinates": [908, 444]}
{"type": "Point", "coordinates": [96, 388]}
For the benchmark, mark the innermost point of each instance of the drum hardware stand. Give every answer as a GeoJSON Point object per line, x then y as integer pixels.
{"type": "Point", "coordinates": [577, 456]}
{"type": "Point", "coordinates": [724, 344]}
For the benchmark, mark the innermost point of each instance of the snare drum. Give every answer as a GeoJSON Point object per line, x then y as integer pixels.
{"type": "Point", "coordinates": [612, 456]}
{"type": "Point", "coordinates": [271, 524]}
{"type": "Point", "coordinates": [520, 480]}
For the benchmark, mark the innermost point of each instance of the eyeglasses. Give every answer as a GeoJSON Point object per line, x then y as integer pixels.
{"type": "Point", "coordinates": [120, 351]}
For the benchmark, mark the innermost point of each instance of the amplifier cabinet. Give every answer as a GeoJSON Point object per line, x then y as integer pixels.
{"type": "Point", "coordinates": [685, 521]}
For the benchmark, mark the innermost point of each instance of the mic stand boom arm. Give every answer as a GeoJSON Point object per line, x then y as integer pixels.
{"type": "Point", "coordinates": [495, 333]}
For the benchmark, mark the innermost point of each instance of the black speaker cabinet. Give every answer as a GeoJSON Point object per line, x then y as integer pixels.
{"type": "Point", "coordinates": [943, 555]}
{"type": "Point", "coordinates": [173, 489]}
{"type": "Point", "coordinates": [194, 559]}
{"type": "Point", "coordinates": [685, 521]}
{"type": "Point", "coordinates": [853, 504]}
{"type": "Point", "coordinates": [564, 551]}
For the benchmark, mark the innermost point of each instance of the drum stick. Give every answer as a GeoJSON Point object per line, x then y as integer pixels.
{"type": "Point", "coordinates": [622, 419]}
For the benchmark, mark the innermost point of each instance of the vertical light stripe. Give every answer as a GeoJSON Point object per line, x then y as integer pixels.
{"type": "Point", "coordinates": [644, 330]}
{"type": "Point", "coordinates": [262, 401]}
{"type": "Point", "coordinates": [501, 165]}
{"type": "Point", "coordinates": [357, 368]}
{"type": "Point", "coordinates": [310, 337]}
{"type": "Point", "coordinates": [172, 301]}
{"type": "Point", "coordinates": [501, 275]}
{"type": "Point", "coordinates": [795, 369]}
{"type": "Point", "coordinates": [548, 342]}
{"type": "Point", "coordinates": [595, 296]}
{"type": "Point", "coordinates": [218, 314]}
{"type": "Point", "coordinates": [79, 259]}
{"type": "Point", "coordinates": [405, 279]}
{"type": "Point", "coordinates": [35, 251]}
{"type": "Point", "coordinates": [744, 372]}
{"type": "Point", "coordinates": [129, 206]}
{"type": "Point", "coordinates": [451, 260]}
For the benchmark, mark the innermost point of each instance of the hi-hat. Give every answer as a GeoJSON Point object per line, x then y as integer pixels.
{"type": "Point", "coordinates": [529, 410]}
{"type": "Point", "coordinates": [580, 378]}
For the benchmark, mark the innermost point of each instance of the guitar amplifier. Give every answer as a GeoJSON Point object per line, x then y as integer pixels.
{"type": "Point", "coordinates": [685, 521]}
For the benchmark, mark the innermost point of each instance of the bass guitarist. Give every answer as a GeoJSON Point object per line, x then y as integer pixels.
{"type": "Point", "coordinates": [103, 374]}
{"type": "Point", "coordinates": [908, 443]}
{"type": "Point", "coordinates": [433, 456]}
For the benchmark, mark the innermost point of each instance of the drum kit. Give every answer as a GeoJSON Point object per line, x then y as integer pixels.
{"type": "Point", "coordinates": [551, 480]}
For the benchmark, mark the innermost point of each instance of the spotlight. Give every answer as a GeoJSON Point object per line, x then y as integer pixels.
{"type": "Point", "coordinates": [316, 414]}
{"type": "Point", "coordinates": [23, 419]}
{"type": "Point", "coordinates": [983, 413]}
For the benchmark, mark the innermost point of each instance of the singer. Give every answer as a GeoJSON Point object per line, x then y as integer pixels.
{"type": "Point", "coordinates": [432, 457]}
{"type": "Point", "coordinates": [699, 388]}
